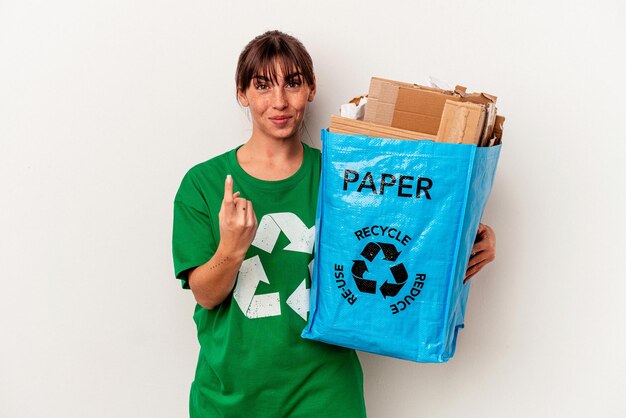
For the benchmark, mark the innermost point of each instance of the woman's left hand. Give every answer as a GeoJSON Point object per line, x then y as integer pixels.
{"type": "Point", "coordinates": [483, 251]}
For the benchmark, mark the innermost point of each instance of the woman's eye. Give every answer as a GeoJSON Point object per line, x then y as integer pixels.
{"type": "Point", "coordinates": [261, 86]}
{"type": "Point", "coordinates": [294, 84]}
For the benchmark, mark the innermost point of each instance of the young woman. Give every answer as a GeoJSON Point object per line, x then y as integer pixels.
{"type": "Point", "coordinates": [245, 274]}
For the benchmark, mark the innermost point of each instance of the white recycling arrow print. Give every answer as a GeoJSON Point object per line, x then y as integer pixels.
{"type": "Point", "coordinates": [254, 306]}
{"type": "Point", "coordinates": [299, 300]}
{"type": "Point", "coordinates": [311, 267]}
{"type": "Point", "coordinates": [251, 272]}
{"type": "Point", "coordinates": [301, 238]}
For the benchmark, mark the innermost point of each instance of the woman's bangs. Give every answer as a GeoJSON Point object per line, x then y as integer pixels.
{"type": "Point", "coordinates": [270, 65]}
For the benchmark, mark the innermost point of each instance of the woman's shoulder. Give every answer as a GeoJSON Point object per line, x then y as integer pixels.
{"type": "Point", "coordinates": [205, 177]}
{"type": "Point", "coordinates": [212, 165]}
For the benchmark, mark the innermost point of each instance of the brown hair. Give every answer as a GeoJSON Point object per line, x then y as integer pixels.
{"type": "Point", "coordinates": [272, 48]}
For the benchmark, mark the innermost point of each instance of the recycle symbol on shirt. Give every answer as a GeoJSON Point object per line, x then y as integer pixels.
{"type": "Point", "coordinates": [251, 272]}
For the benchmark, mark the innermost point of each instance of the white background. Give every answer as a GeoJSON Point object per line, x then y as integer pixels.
{"type": "Point", "coordinates": [105, 104]}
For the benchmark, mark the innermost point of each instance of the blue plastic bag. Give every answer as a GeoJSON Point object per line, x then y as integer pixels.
{"type": "Point", "coordinates": [396, 221]}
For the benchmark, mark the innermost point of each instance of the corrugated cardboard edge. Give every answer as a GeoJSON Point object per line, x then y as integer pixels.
{"type": "Point", "coordinates": [461, 123]}
{"type": "Point", "coordinates": [350, 126]}
{"type": "Point", "coordinates": [498, 129]}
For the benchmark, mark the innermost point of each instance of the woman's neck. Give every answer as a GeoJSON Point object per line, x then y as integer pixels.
{"type": "Point", "coordinates": [271, 160]}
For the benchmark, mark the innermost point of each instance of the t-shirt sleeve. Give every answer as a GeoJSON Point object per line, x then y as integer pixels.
{"type": "Point", "coordinates": [193, 240]}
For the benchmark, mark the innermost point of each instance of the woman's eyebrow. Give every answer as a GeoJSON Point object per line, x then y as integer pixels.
{"type": "Point", "coordinates": [291, 76]}
{"type": "Point", "coordinates": [259, 77]}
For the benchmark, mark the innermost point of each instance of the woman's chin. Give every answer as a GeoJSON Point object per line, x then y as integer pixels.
{"type": "Point", "coordinates": [284, 134]}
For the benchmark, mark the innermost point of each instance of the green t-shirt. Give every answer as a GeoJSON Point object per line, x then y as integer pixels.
{"type": "Point", "coordinates": [253, 362]}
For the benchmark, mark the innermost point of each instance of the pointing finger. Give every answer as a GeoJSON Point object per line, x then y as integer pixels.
{"type": "Point", "coordinates": [228, 189]}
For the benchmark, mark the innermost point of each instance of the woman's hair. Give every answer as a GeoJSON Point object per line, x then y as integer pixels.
{"type": "Point", "coordinates": [272, 48]}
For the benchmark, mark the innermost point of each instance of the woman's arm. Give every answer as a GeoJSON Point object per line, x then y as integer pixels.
{"type": "Point", "coordinates": [214, 280]}
{"type": "Point", "coordinates": [483, 251]}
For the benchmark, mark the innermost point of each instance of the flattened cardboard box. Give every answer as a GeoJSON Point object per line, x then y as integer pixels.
{"type": "Point", "coordinates": [450, 116]}
{"type": "Point", "coordinates": [406, 106]}
{"type": "Point", "coordinates": [462, 123]}
{"type": "Point", "coordinates": [342, 125]}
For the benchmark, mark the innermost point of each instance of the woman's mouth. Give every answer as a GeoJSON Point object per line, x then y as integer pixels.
{"type": "Point", "coordinates": [280, 120]}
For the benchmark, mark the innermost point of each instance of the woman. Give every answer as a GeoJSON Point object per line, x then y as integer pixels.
{"type": "Point", "coordinates": [245, 274]}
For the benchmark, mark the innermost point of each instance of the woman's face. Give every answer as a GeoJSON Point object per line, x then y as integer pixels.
{"type": "Point", "coordinates": [277, 109]}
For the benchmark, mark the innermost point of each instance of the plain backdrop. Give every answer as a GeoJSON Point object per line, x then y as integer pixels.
{"type": "Point", "coordinates": [104, 105]}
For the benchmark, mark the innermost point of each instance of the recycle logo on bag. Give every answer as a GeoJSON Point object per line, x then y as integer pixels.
{"type": "Point", "coordinates": [378, 270]}
{"type": "Point", "coordinates": [371, 254]}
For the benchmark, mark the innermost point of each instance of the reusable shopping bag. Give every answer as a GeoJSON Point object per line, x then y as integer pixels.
{"type": "Point", "coordinates": [395, 224]}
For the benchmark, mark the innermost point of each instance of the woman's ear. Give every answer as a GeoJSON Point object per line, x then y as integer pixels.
{"type": "Point", "coordinates": [241, 97]}
{"type": "Point", "coordinates": [312, 89]}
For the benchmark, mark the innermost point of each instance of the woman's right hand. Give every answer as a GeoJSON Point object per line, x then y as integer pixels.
{"type": "Point", "coordinates": [237, 222]}
{"type": "Point", "coordinates": [212, 282]}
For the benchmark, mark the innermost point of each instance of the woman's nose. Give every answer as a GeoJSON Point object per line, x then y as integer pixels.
{"type": "Point", "coordinates": [279, 99]}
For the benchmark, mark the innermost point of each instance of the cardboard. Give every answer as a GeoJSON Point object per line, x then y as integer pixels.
{"type": "Point", "coordinates": [497, 131]}
{"type": "Point", "coordinates": [489, 125]}
{"type": "Point", "coordinates": [427, 110]}
{"type": "Point", "coordinates": [350, 126]}
{"type": "Point", "coordinates": [478, 98]}
{"type": "Point", "coordinates": [406, 106]}
{"type": "Point", "coordinates": [462, 123]}
{"type": "Point", "coordinates": [419, 109]}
